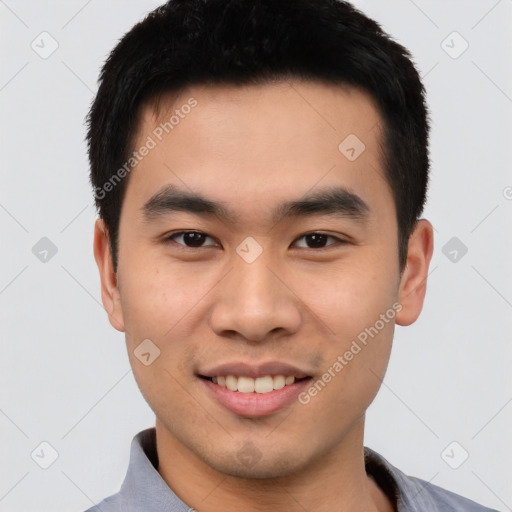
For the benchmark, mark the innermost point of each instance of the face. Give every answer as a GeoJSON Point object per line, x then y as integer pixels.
{"type": "Point", "coordinates": [283, 265]}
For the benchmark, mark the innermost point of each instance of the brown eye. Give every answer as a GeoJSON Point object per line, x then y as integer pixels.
{"type": "Point", "coordinates": [318, 240]}
{"type": "Point", "coordinates": [190, 239]}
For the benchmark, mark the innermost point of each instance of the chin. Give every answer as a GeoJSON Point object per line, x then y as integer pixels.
{"type": "Point", "coordinates": [264, 468]}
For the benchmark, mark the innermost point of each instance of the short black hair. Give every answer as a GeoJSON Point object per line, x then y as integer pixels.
{"type": "Point", "coordinates": [242, 42]}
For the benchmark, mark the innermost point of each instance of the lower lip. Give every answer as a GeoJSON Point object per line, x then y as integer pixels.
{"type": "Point", "coordinates": [255, 405]}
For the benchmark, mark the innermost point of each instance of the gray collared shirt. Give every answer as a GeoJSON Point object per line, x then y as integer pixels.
{"type": "Point", "coordinates": [144, 490]}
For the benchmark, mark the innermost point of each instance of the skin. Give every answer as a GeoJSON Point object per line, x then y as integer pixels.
{"type": "Point", "coordinates": [253, 147]}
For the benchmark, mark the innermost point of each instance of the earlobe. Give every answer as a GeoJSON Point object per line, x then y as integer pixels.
{"type": "Point", "coordinates": [109, 287]}
{"type": "Point", "coordinates": [413, 284]}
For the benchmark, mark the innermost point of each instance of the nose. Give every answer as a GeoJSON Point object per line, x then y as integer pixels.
{"type": "Point", "coordinates": [255, 303]}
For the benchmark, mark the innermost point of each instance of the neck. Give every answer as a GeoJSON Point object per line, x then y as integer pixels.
{"type": "Point", "coordinates": [335, 481]}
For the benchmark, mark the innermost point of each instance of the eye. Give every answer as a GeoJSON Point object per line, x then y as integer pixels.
{"type": "Point", "coordinates": [190, 239]}
{"type": "Point", "coordinates": [196, 240]}
{"type": "Point", "coordinates": [318, 240]}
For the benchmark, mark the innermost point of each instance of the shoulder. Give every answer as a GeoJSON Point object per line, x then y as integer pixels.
{"type": "Point", "coordinates": [413, 494]}
{"type": "Point", "coordinates": [113, 503]}
{"type": "Point", "coordinates": [444, 500]}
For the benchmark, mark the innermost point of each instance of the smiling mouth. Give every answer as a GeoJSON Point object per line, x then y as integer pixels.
{"type": "Point", "coordinates": [242, 384]}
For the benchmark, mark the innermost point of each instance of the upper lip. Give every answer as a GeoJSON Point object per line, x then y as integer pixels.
{"type": "Point", "coordinates": [254, 370]}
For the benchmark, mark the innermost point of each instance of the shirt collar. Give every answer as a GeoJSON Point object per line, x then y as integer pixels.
{"type": "Point", "coordinates": [143, 488]}
{"type": "Point", "coordinates": [407, 494]}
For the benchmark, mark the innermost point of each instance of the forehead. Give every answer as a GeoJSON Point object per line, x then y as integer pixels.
{"type": "Point", "coordinates": [281, 108]}
{"type": "Point", "coordinates": [260, 142]}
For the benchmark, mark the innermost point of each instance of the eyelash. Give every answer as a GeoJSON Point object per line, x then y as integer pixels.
{"type": "Point", "coordinates": [170, 238]}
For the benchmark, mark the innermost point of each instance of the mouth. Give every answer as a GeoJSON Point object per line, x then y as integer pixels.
{"type": "Point", "coordinates": [254, 397]}
{"type": "Point", "coordinates": [260, 385]}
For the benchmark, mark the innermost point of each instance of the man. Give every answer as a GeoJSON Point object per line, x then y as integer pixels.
{"type": "Point", "coordinates": [260, 169]}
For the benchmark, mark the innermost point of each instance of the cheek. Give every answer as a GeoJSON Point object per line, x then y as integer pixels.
{"type": "Point", "coordinates": [347, 297]}
{"type": "Point", "coordinates": [151, 310]}
{"type": "Point", "coordinates": [155, 299]}
{"type": "Point", "coordinates": [351, 377]}
{"type": "Point", "coordinates": [348, 303]}
{"type": "Point", "coordinates": [156, 308]}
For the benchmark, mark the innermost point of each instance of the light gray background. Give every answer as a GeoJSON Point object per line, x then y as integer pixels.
{"type": "Point", "coordinates": [65, 377]}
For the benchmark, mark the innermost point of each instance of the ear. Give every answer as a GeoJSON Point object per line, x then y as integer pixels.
{"type": "Point", "coordinates": [109, 289]}
{"type": "Point", "coordinates": [413, 283]}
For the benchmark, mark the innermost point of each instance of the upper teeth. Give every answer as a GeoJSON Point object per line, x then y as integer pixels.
{"type": "Point", "coordinates": [250, 385]}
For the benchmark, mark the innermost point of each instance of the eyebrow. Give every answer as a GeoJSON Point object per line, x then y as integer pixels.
{"type": "Point", "coordinates": [333, 201]}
